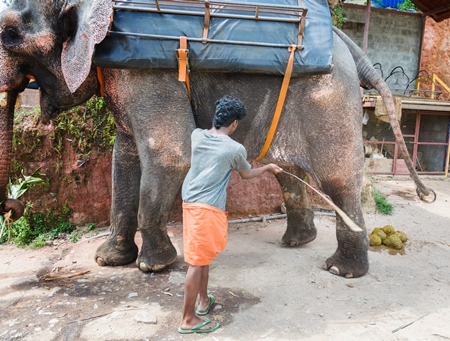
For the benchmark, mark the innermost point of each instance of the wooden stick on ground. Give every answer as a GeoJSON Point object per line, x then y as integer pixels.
{"type": "Point", "coordinates": [52, 278]}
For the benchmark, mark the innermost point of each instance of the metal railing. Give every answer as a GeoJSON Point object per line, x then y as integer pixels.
{"type": "Point", "coordinates": [217, 9]}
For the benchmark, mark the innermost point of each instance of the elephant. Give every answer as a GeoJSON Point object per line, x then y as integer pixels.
{"type": "Point", "coordinates": [319, 133]}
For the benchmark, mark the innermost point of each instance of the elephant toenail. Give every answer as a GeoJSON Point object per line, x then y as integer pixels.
{"type": "Point", "coordinates": [100, 261]}
{"type": "Point", "coordinates": [143, 267]}
{"type": "Point", "coordinates": [334, 270]}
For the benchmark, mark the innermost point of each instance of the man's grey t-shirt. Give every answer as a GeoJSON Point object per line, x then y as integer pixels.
{"type": "Point", "coordinates": [212, 159]}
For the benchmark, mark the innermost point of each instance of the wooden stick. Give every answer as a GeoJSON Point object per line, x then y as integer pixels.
{"type": "Point", "coordinates": [406, 325]}
{"type": "Point", "coordinates": [52, 278]}
{"type": "Point", "coordinates": [344, 216]}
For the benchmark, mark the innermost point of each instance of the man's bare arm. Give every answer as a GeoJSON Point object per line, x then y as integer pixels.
{"type": "Point", "coordinates": [254, 172]}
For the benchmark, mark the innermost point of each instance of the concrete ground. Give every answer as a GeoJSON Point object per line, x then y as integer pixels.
{"type": "Point", "coordinates": [263, 290]}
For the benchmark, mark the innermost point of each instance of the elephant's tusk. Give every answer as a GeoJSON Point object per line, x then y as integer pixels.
{"type": "Point", "coordinates": [353, 226]}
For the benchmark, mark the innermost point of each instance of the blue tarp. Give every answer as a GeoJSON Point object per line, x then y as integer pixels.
{"type": "Point", "coordinates": [148, 40]}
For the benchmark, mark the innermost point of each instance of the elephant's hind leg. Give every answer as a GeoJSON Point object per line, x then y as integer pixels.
{"type": "Point", "coordinates": [351, 257]}
{"type": "Point", "coordinates": [300, 218]}
{"type": "Point", "coordinates": [120, 248]}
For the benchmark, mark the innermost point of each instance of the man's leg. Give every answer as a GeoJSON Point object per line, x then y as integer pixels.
{"type": "Point", "coordinates": [203, 290]}
{"type": "Point", "coordinates": [194, 282]}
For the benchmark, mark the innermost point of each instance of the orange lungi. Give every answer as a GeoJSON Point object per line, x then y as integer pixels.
{"type": "Point", "coordinates": [205, 233]}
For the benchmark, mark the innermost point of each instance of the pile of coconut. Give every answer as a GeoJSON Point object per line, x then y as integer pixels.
{"type": "Point", "coordinates": [387, 236]}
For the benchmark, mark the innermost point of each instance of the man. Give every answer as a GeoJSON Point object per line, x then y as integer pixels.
{"type": "Point", "coordinates": [205, 224]}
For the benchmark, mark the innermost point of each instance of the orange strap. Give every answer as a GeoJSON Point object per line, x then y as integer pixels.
{"type": "Point", "coordinates": [280, 104]}
{"type": "Point", "coordinates": [99, 69]}
{"type": "Point", "coordinates": [101, 81]}
{"type": "Point", "coordinates": [183, 65]}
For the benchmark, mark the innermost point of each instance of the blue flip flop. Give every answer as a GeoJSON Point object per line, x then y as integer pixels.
{"type": "Point", "coordinates": [198, 329]}
{"type": "Point", "coordinates": [211, 302]}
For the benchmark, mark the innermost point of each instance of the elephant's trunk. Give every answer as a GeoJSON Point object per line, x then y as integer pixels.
{"type": "Point", "coordinates": [7, 103]}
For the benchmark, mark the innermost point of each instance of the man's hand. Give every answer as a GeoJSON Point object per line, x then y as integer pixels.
{"type": "Point", "coordinates": [254, 172]}
{"type": "Point", "coordinates": [273, 168]}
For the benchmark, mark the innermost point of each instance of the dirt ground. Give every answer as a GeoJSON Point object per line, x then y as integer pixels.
{"type": "Point", "coordinates": [263, 290]}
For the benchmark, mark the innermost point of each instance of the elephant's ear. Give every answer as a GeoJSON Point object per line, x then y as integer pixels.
{"type": "Point", "coordinates": [89, 20]}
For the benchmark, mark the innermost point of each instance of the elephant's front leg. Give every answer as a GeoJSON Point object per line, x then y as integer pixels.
{"type": "Point", "coordinates": [120, 248]}
{"type": "Point", "coordinates": [300, 218]}
{"type": "Point", "coordinates": [159, 187]}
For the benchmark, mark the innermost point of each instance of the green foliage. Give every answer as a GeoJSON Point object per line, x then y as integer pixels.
{"type": "Point", "coordinates": [381, 203]}
{"type": "Point", "coordinates": [23, 116]}
{"type": "Point", "coordinates": [407, 5]}
{"type": "Point", "coordinates": [15, 191]}
{"type": "Point", "coordinates": [35, 229]}
{"type": "Point", "coordinates": [74, 237]}
{"type": "Point", "coordinates": [337, 16]}
{"type": "Point", "coordinates": [85, 126]}
{"type": "Point", "coordinates": [16, 167]}
{"type": "Point", "coordinates": [89, 228]}
{"type": "Point", "coordinates": [26, 134]}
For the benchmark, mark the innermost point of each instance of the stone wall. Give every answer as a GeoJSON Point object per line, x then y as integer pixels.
{"type": "Point", "coordinates": [394, 40]}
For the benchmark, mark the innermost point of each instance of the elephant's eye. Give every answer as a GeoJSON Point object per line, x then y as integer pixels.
{"type": "Point", "coordinates": [11, 37]}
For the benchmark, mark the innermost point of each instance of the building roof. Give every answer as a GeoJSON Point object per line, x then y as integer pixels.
{"type": "Point", "coordinates": [437, 9]}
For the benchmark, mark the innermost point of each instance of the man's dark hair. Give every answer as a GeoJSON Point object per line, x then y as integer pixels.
{"type": "Point", "coordinates": [228, 109]}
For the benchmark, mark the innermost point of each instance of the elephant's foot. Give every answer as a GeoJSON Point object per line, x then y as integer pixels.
{"type": "Point", "coordinates": [156, 259]}
{"type": "Point", "coordinates": [300, 228]}
{"type": "Point", "coordinates": [349, 266]}
{"type": "Point", "coordinates": [115, 251]}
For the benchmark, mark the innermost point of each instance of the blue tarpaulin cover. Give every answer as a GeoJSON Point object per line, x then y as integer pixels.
{"type": "Point", "coordinates": [150, 40]}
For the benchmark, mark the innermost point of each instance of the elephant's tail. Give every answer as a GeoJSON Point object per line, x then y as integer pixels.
{"type": "Point", "coordinates": [369, 78]}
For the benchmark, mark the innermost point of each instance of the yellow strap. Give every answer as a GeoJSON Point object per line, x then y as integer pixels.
{"type": "Point", "coordinates": [183, 65]}
{"type": "Point", "coordinates": [279, 108]}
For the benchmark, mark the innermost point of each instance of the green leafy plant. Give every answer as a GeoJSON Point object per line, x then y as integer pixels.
{"type": "Point", "coordinates": [15, 191]}
{"type": "Point", "coordinates": [74, 237]}
{"type": "Point", "coordinates": [29, 139]}
{"type": "Point", "coordinates": [381, 203]}
{"type": "Point", "coordinates": [85, 126]}
{"type": "Point", "coordinates": [89, 129]}
{"type": "Point", "coordinates": [407, 5]}
{"type": "Point", "coordinates": [36, 229]}
{"type": "Point", "coordinates": [337, 16]}
{"type": "Point", "coordinates": [90, 227]}
{"type": "Point", "coordinates": [19, 189]}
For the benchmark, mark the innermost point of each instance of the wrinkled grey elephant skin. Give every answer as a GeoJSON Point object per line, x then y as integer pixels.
{"type": "Point", "coordinates": [319, 132]}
